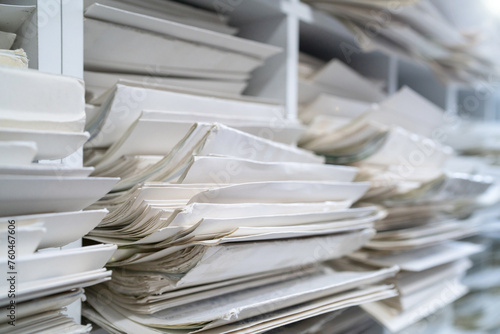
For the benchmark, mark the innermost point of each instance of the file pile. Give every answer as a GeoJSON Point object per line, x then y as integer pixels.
{"type": "Point", "coordinates": [318, 79]}
{"type": "Point", "coordinates": [416, 30]}
{"type": "Point", "coordinates": [352, 320]}
{"type": "Point", "coordinates": [483, 278]}
{"type": "Point", "coordinates": [42, 117]}
{"type": "Point", "coordinates": [13, 20]}
{"type": "Point", "coordinates": [427, 208]}
{"type": "Point", "coordinates": [219, 230]}
{"type": "Point", "coordinates": [167, 44]}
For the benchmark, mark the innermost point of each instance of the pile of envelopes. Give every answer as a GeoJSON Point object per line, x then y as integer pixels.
{"type": "Point", "coordinates": [41, 203]}
{"type": "Point", "coordinates": [427, 208]}
{"type": "Point", "coordinates": [167, 43]}
{"type": "Point", "coordinates": [417, 30]}
{"type": "Point", "coordinates": [14, 20]}
{"type": "Point", "coordinates": [207, 214]}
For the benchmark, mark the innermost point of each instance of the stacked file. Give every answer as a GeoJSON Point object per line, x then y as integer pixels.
{"type": "Point", "coordinates": [45, 109]}
{"type": "Point", "coordinates": [12, 19]}
{"type": "Point", "coordinates": [40, 204]}
{"type": "Point", "coordinates": [317, 79]}
{"type": "Point", "coordinates": [220, 230]}
{"type": "Point", "coordinates": [427, 208]}
{"type": "Point", "coordinates": [160, 117]}
{"type": "Point", "coordinates": [416, 30]}
{"type": "Point", "coordinates": [483, 279]}
{"type": "Point", "coordinates": [165, 44]}
{"type": "Point", "coordinates": [474, 138]}
{"type": "Point", "coordinates": [352, 320]}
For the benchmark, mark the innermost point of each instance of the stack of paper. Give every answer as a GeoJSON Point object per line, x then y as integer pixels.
{"type": "Point", "coordinates": [238, 308]}
{"type": "Point", "coordinates": [334, 78]}
{"type": "Point", "coordinates": [427, 207]}
{"type": "Point", "coordinates": [429, 280]}
{"type": "Point", "coordinates": [40, 204]}
{"type": "Point", "coordinates": [160, 117]}
{"type": "Point", "coordinates": [474, 137]}
{"type": "Point", "coordinates": [352, 320]}
{"type": "Point", "coordinates": [483, 279]}
{"type": "Point", "coordinates": [416, 30]}
{"type": "Point", "coordinates": [12, 18]}
{"type": "Point", "coordinates": [198, 212]}
{"type": "Point", "coordinates": [42, 108]}
{"type": "Point", "coordinates": [165, 44]}
{"type": "Point", "coordinates": [387, 133]}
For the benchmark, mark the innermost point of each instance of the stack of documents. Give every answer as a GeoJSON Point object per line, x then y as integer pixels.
{"type": "Point", "coordinates": [252, 305]}
{"type": "Point", "coordinates": [483, 279]}
{"type": "Point", "coordinates": [474, 137]}
{"type": "Point", "coordinates": [352, 320]}
{"type": "Point", "coordinates": [42, 117]}
{"type": "Point", "coordinates": [154, 122]}
{"type": "Point", "coordinates": [46, 109]}
{"type": "Point", "coordinates": [427, 208]}
{"type": "Point", "coordinates": [205, 214]}
{"type": "Point", "coordinates": [165, 44]}
{"type": "Point", "coordinates": [429, 280]}
{"type": "Point", "coordinates": [349, 130]}
{"type": "Point", "coordinates": [415, 30]}
{"type": "Point", "coordinates": [12, 21]}
{"type": "Point", "coordinates": [334, 78]}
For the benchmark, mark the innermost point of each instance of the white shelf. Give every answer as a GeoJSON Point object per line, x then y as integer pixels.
{"type": "Point", "coordinates": [53, 39]}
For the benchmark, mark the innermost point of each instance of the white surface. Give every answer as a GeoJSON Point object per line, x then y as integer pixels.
{"type": "Point", "coordinates": [6, 39]}
{"type": "Point", "coordinates": [26, 239]}
{"type": "Point", "coordinates": [283, 192]}
{"type": "Point", "coordinates": [17, 153]}
{"type": "Point", "coordinates": [50, 286]}
{"type": "Point", "coordinates": [326, 104]}
{"type": "Point", "coordinates": [97, 83]}
{"type": "Point", "coordinates": [122, 112]}
{"type": "Point", "coordinates": [39, 194]}
{"type": "Point", "coordinates": [48, 303]}
{"type": "Point", "coordinates": [34, 100]}
{"type": "Point", "coordinates": [61, 228]}
{"type": "Point", "coordinates": [104, 49]}
{"type": "Point", "coordinates": [180, 31]}
{"type": "Point", "coordinates": [339, 76]}
{"type": "Point", "coordinates": [426, 258]}
{"type": "Point", "coordinates": [13, 16]}
{"type": "Point", "coordinates": [204, 168]}
{"type": "Point", "coordinates": [408, 109]}
{"type": "Point", "coordinates": [174, 11]}
{"type": "Point", "coordinates": [58, 263]}
{"type": "Point", "coordinates": [45, 170]}
{"type": "Point", "coordinates": [50, 145]}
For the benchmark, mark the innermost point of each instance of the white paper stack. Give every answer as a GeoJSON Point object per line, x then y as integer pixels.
{"type": "Point", "coordinates": [417, 30]}
{"type": "Point", "coordinates": [157, 118]}
{"type": "Point", "coordinates": [388, 133]}
{"type": "Point", "coordinates": [334, 78]}
{"type": "Point", "coordinates": [483, 279]}
{"type": "Point", "coordinates": [206, 214]}
{"type": "Point", "coordinates": [12, 17]}
{"type": "Point", "coordinates": [165, 44]}
{"type": "Point", "coordinates": [352, 320]}
{"type": "Point", "coordinates": [42, 117]}
{"type": "Point", "coordinates": [46, 109]}
{"type": "Point", "coordinates": [427, 207]}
